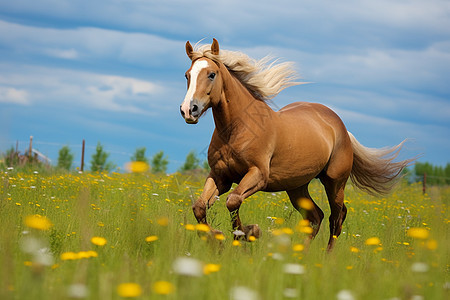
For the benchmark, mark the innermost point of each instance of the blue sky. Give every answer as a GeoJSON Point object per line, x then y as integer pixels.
{"type": "Point", "coordinates": [113, 71]}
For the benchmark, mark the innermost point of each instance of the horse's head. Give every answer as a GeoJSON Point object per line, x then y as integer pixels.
{"type": "Point", "coordinates": [204, 84]}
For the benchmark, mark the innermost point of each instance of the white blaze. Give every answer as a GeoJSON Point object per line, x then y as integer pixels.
{"type": "Point", "coordinates": [196, 69]}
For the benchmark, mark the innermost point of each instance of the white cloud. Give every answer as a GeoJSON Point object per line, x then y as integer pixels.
{"type": "Point", "coordinates": [40, 85]}
{"type": "Point", "coordinates": [13, 95]}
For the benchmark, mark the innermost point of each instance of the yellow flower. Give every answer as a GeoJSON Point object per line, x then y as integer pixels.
{"type": "Point", "coordinates": [69, 256]}
{"type": "Point", "coordinates": [236, 243]}
{"type": "Point", "coordinates": [298, 247]}
{"type": "Point", "coordinates": [211, 268]}
{"type": "Point", "coordinates": [137, 167]}
{"type": "Point", "coordinates": [306, 204]}
{"type": "Point", "coordinates": [151, 238]}
{"type": "Point", "coordinates": [129, 290]}
{"type": "Point", "coordinates": [189, 227]}
{"type": "Point", "coordinates": [38, 222]}
{"type": "Point", "coordinates": [431, 244]}
{"type": "Point", "coordinates": [287, 230]}
{"type": "Point", "coordinates": [163, 221]}
{"type": "Point", "coordinates": [251, 238]}
{"type": "Point", "coordinates": [99, 241]}
{"type": "Point", "coordinates": [219, 236]}
{"type": "Point", "coordinates": [202, 227]}
{"type": "Point", "coordinates": [163, 288]}
{"type": "Point", "coordinates": [354, 250]}
{"type": "Point", "coordinates": [418, 233]}
{"type": "Point", "coordinates": [373, 241]}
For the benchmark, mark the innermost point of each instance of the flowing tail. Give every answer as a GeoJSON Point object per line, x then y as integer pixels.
{"type": "Point", "coordinates": [374, 170]}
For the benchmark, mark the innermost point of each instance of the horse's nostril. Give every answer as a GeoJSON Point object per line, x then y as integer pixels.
{"type": "Point", "coordinates": [182, 112]}
{"type": "Point", "coordinates": [194, 108]}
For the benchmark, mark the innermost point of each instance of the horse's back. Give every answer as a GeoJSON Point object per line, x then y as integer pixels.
{"type": "Point", "coordinates": [309, 135]}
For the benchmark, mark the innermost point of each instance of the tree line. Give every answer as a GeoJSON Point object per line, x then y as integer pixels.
{"type": "Point", "coordinates": [435, 175]}
{"type": "Point", "coordinates": [100, 162]}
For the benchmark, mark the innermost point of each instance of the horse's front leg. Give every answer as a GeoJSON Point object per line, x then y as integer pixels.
{"type": "Point", "coordinates": [212, 189]}
{"type": "Point", "coordinates": [252, 182]}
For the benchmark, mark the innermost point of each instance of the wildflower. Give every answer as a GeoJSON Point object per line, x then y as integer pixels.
{"type": "Point", "coordinates": [345, 295]}
{"type": "Point", "coordinates": [38, 222]}
{"type": "Point", "coordinates": [294, 269]}
{"type": "Point", "coordinates": [163, 288]}
{"type": "Point", "coordinates": [189, 227]}
{"type": "Point", "coordinates": [418, 233]}
{"type": "Point", "coordinates": [151, 238]}
{"type": "Point", "coordinates": [431, 244]}
{"type": "Point", "coordinates": [163, 221]}
{"type": "Point", "coordinates": [77, 290]}
{"type": "Point", "coordinates": [243, 293]}
{"type": "Point", "coordinates": [298, 247]}
{"type": "Point", "coordinates": [354, 250]}
{"type": "Point", "coordinates": [137, 167]}
{"type": "Point", "coordinates": [98, 241]}
{"type": "Point", "coordinates": [251, 238]}
{"type": "Point", "coordinates": [219, 236]}
{"type": "Point", "coordinates": [236, 243]}
{"type": "Point", "coordinates": [69, 256]}
{"type": "Point", "coordinates": [373, 241]}
{"type": "Point", "coordinates": [202, 227]}
{"type": "Point", "coordinates": [188, 267]}
{"type": "Point", "coordinates": [129, 290]}
{"type": "Point", "coordinates": [211, 268]}
{"type": "Point", "coordinates": [290, 293]}
{"type": "Point", "coordinates": [306, 204]}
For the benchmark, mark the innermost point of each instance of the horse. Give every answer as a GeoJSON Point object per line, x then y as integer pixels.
{"type": "Point", "coordinates": [265, 150]}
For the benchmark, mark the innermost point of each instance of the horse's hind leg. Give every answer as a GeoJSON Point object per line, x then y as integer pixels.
{"type": "Point", "coordinates": [335, 193]}
{"type": "Point", "coordinates": [302, 201]}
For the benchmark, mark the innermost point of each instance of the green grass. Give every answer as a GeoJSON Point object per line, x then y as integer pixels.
{"type": "Point", "coordinates": [127, 208]}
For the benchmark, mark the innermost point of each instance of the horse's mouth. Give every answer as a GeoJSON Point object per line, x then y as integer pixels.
{"type": "Point", "coordinates": [191, 120]}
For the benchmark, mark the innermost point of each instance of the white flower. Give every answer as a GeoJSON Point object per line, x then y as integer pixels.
{"type": "Point", "coordinates": [243, 293]}
{"type": "Point", "coordinates": [294, 269]}
{"type": "Point", "coordinates": [345, 295]}
{"type": "Point", "coordinates": [188, 267]}
{"type": "Point", "coordinates": [419, 267]}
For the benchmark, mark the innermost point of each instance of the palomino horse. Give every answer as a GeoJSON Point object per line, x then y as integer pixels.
{"type": "Point", "coordinates": [263, 150]}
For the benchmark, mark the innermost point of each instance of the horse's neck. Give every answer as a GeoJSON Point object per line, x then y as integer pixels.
{"type": "Point", "coordinates": [237, 105]}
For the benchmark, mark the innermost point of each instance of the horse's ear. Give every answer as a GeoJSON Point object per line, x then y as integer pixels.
{"type": "Point", "coordinates": [189, 50]}
{"type": "Point", "coordinates": [215, 47]}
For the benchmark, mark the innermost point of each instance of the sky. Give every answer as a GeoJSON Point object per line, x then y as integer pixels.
{"type": "Point", "coordinates": [112, 71]}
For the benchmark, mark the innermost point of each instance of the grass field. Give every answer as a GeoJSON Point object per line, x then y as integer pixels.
{"type": "Point", "coordinates": [109, 236]}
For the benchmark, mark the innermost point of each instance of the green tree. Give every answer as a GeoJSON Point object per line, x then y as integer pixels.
{"type": "Point", "coordinates": [139, 155]}
{"type": "Point", "coordinates": [11, 158]}
{"type": "Point", "coordinates": [65, 158]}
{"type": "Point", "coordinates": [99, 161]}
{"type": "Point", "coordinates": [191, 163]}
{"type": "Point", "coordinates": [206, 166]}
{"type": "Point", "coordinates": [159, 163]}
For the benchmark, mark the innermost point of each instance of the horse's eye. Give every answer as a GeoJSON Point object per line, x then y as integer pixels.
{"type": "Point", "coordinates": [212, 76]}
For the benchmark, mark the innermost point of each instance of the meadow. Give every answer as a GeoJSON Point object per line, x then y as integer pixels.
{"type": "Point", "coordinates": [115, 236]}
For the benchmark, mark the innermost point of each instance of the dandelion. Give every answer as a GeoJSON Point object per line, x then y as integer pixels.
{"type": "Point", "coordinates": [163, 221]}
{"type": "Point", "coordinates": [373, 241]}
{"type": "Point", "coordinates": [298, 247]}
{"type": "Point", "coordinates": [69, 256]}
{"type": "Point", "coordinates": [251, 238]}
{"type": "Point", "coordinates": [219, 236]}
{"type": "Point", "coordinates": [163, 288]}
{"type": "Point", "coordinates": [306, 204]}
{"type": "Point", "coordinates": [38, 222]}
{"type": "Point", "coordinates": [98, 241]}
{"type": "Point", "coordinates": [236, 243]}
{"type": "Point", "coordinates": [137, 167]}
{"type": "Point", "coordinates": [189, 227]}
{"type": "Point", "coordinates": [418, 233]}
{"type": "Point", "coordinates": [129, 290]}
{"type": "Point", "coordinates": [354, 250]}
{"type": "Point", "coordinates": [211, 268]}
{"type": "Point", "coordinates": [202, 227]}
{"type": "Point", "coordinates": [151, 238]}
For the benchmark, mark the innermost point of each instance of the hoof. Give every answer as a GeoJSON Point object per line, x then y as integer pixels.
{"type": "Point", "coordinates": [252, 230]}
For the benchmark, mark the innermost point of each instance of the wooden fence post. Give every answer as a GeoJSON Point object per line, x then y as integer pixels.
{"type": "Point", "coordinates": [424, 188]}
{"type": "Point", "coordinates": [30, 150]}
{"type": "Point", "coordinates": [82, 156]}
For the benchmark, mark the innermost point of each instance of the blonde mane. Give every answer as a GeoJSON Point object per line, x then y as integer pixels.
{"type": "Point", "coordinates": [263, 78]}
